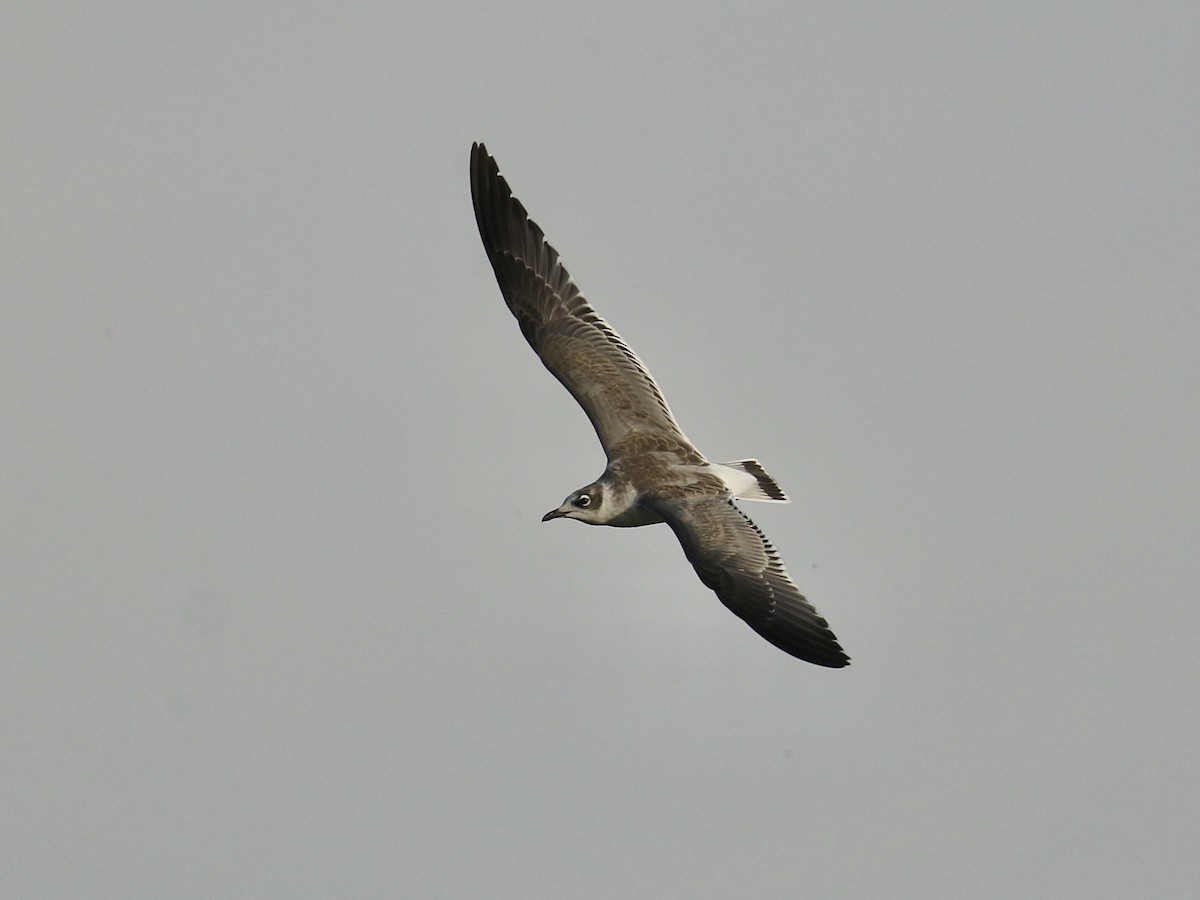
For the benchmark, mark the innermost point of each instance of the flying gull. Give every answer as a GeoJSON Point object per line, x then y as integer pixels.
{"type": "Point", "coordinates": [654, 473]}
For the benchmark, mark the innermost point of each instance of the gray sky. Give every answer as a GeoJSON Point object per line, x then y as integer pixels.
{"type": "Point", "coordinates": [279, 617]}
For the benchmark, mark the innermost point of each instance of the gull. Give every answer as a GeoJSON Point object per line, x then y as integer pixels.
{"type": "Point", "coordinates": [654, 473]}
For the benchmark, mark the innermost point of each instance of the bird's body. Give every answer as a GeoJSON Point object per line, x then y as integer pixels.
{"type": "Point", "coordinates": [654, 473]}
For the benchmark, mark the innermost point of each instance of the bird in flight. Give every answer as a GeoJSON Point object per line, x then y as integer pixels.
{"type": "Point", "coordinates": [654, 473]}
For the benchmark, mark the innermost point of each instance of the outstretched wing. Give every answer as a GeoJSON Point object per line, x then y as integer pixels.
{"type": "Point", "coordinates": [735, 559]}
{"type": "Point", "coordinates": [578, 347]}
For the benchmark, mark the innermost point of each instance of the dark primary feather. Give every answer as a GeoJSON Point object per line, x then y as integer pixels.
{"type": "Point", "coordinates": [578, 347]}
{"type": "Point", "coordinates": [735, 559]}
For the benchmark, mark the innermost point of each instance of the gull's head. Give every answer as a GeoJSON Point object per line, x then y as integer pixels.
{"type": "Point", "coordinates": [585, 504]}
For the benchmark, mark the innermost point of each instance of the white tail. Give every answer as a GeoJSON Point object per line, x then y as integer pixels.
{"type": "Point", "coordinates": [747, 479]}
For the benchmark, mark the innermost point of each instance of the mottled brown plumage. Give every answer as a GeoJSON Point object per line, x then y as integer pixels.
{"type": "Point", "coordinates": [654, 473]}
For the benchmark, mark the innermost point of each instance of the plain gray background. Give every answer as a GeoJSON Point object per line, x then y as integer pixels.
{"type": "Point", "coordinates": [279, 618]}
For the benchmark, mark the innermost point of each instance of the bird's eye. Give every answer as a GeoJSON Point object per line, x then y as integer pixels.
{"type": "Point", "coordinates": [583, 501]}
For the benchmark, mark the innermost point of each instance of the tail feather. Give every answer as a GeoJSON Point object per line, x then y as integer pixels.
{"type": "Point", "coordinates": [759, 486]}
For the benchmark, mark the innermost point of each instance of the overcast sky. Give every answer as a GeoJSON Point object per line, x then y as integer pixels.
{"type": "Point", "coordinates": [279, 617]}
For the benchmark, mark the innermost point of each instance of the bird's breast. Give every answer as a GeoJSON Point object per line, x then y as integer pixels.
{"type": "Point", "coordinates": [635, 516]}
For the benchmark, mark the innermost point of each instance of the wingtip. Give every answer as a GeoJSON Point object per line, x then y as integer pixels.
{"type": "Point", "coordinates": [480, 159]}
{"type": "Point", "coordinates": [830, 656]}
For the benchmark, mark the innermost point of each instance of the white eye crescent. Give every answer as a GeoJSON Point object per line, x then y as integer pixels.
{"type": "Point", "coordinates": [583, 501]}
